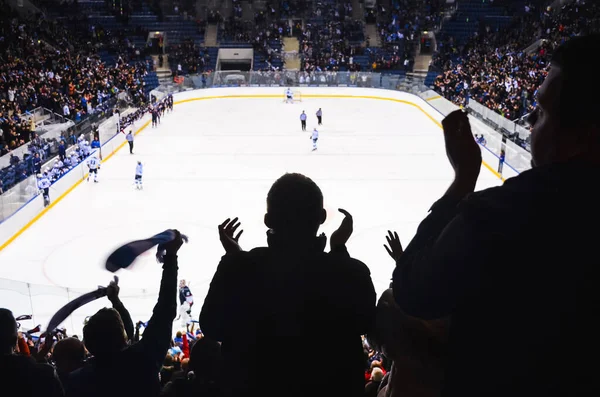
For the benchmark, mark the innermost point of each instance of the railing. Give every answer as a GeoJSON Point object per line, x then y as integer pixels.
{"type": "Point", "coordinates": [290, 78]}
{"type": "Point", "coordinates": [48, 125]}
{"type": "Point", "coordinates": [17, 196]}
{"type": "Point", "coordinates": [22, 192]}
{"type": "Point", "coordinates": [42, 301]}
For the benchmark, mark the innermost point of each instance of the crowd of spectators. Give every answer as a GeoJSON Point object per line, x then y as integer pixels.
{"type": "Point", "coordinates": [330, 38]}
{"type": "Point", "coordinates": [263, 33]}
{"type": "Point", "coordinates": [69, 82]}
{"type": "Point", "coordinates": [307, 303]}
{"type": "Point", "coordinates": [434, 331]}
{"type": "Point", "coordinates": [493, 68]}
{"type": "Point", "coordinates": [188, 58]}
{"type": "Point", "coordinates": [399, 29]}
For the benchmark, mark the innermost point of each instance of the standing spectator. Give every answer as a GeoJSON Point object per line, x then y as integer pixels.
{"type": "Point", "coordinates": [531, 301]}
{"type": "Point", "coordinates": [68, 355]}
{"type": "Point", "coordinates": [121, 370]}
{"type": "Point", "coordinates": [21, 372]}
{"type": "Point", "coordinates": [290, 294]}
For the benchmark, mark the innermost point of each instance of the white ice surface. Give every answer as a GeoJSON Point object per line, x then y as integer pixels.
{"type": "Point", "coordinates": [383, 161]}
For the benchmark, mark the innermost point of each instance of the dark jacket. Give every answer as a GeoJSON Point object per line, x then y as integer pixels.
{"type": "Point", "coordinates": [134, 371]}
{"type": "Point", "coordinates": [280, 310]}
{"type": "Point", "coordinates": [22, 376]}
{"type": "Point", "coordinates": [516, 267]}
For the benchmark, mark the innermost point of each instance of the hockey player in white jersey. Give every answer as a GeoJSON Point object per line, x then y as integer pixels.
{"type": "Point", "coordinates": [139, 170]}
{"type": "Point", "coordinates": [289, 96]}
{"type": "Point", "coordinates": [315, 138]}
{"type": "Point", "coordinates": [44, 186]}
{"type": "Point", "coordinates": [93, 165]}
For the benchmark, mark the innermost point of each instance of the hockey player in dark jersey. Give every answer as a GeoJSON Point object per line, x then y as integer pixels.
{"type": "Point", "coordinates": [186, 301]}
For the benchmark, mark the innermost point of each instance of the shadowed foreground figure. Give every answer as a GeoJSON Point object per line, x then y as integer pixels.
{"type": "Point", "coordinates": [274, 307]}
{"type": "Point", "coordinates": [516, 266]}
{"type": "Point", "coordinates": [118, 369]}
{"type": "Point", "coordinates": [19, 374]}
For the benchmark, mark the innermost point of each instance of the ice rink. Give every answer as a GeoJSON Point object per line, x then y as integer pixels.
{"type": "Point", "coordinates": [382, 161]}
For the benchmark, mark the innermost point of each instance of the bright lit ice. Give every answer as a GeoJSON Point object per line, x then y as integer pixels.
{"type": "Point", "coordinates": [209, 160]}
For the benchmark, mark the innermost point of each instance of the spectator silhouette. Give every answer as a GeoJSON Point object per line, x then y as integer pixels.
{"type": "Point", "coordinates": [121, 370]}
{"type": "Point", "coordinates": [204, 378]}
{"type": "Point", "coordinates": [417, 348]}
{"type": "Point", "coordinates": [68, 356]}
{"type": "Point", "coordinates": [515, 266]}
{"type": "Point", "coordinates": [291, 295]}
{"type": "Point", "coordinates": [20, 374]}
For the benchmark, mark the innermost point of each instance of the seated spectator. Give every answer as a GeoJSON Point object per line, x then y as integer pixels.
{"type": "Point", "coordinates": [288, 294]}
{"type": "Point", "coordinates": [519, 318]}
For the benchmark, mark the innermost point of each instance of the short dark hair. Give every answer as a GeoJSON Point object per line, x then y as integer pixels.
{"type": "Point", "coordinates": [8, 329]}
{"type": "Point", "coordinates": [104, 333]}
{"type": "Point", "coordinates": [579, 99]}
{"type": "Point", "coordinates": [295, 202]}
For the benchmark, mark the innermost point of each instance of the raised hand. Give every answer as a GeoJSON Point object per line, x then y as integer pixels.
{"type": "Point", "coordinates": [112, 291]}
{"type": "Point", "coordinates": [462, 150]}
{"type": "Point", "coordinates": [395, 247]}
{"type": "Point", "coordinates": [340, 237]}
{"type": "Point", "coordinates": [229, 239]}
{"type": "Point", "coordinates": [173, 246]}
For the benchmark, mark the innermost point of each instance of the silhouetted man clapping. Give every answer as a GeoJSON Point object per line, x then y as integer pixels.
{"type": "Point", "coordinates": [279, 309]}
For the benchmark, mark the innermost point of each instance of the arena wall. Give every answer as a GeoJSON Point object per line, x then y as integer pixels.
{"type": "Point", "coordinates": [14, 226]}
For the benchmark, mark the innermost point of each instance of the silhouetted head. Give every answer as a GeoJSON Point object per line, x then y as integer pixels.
{"type": "Point", "coordinates": [565, 124]}
{"type": "Point", "coordinates": [68, 354]}
{"type": "Point", "coordinates": [104, 334]}
{"type": "Point", "coordinates": [206, 359]}
{"type": "Point", "coordinates": [8, 331]}
{"type": "Point", "coordinates": [295, 206]}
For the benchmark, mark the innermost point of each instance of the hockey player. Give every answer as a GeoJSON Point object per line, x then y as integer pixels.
{"type": "Point", "coordinates": [74, 158]}
{"type": "Point", "coordinates": [139, 170]}
{"type": "Point", "coordinates": [186, 301]}
{"type": "Point", "coordinates": [93, 165]}
{"type": "Point", "coordinates": [303, 121]}
{"type": "Point", "coordinates": [86, 148]}
{"type": "Point", "coordinates": [289, 96]}
{"type": "Point", "coordinates": [315, 138]}
{"type": "Point", "coordinates": [44, 186]}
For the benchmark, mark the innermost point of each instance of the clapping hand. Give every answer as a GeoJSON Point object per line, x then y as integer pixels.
{"type": "Point", "coordinates": [462, 150]}
{"type": "Point", "coordinates": [395, 247]}
{"type": "Point", "coordinates": [229, 240]}
{"type": "Point", "coordinates": [340, 237]}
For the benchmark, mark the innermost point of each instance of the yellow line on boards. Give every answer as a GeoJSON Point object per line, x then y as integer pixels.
{"type": "Point", "coordinates": [62, 196]}
{"type": "Point", "coordinates": [38, 216]}
{"type": "Point", "coordinates": [256, 96]}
